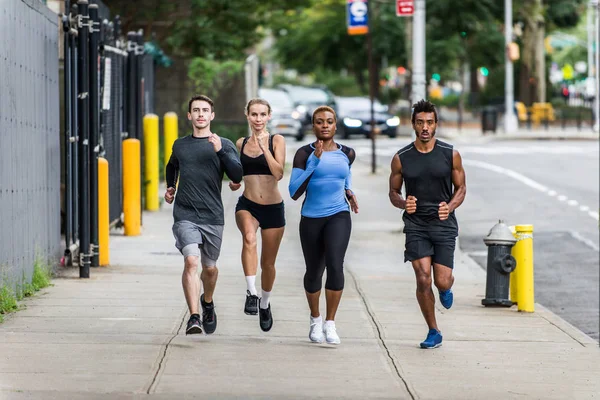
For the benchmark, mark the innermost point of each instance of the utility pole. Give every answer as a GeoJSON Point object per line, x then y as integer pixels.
{"type": "Point", "coordinates": [372, 80]}
{"type": "Point", "coordinates": [510, 120]}
{"type": "Point", "coordinates": [419, 81]}
{"type": "Point", "coordinates": [596, 98]}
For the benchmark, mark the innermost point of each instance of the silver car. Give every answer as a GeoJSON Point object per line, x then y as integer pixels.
{"type": "Point", "coordinates": [284, 120]}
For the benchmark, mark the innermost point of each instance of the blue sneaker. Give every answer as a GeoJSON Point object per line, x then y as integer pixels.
{"type": "Point", "coordinates": [434, 339]}
{"type": "Point", "coordinates": [446, 298]}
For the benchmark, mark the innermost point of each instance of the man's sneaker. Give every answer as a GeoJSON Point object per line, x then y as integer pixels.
{"type": "Point", "coordinates": [331, 335]}
{"type": "Point", "coordinates": [434, 339]}
{"type": "Point", "coordinates": [251, 306]}
{"type": "Point", "coordinates": [265, 318]}
{"type": "Point", "coordinates": [209, 317]}
{"type": "Point", "coordinates": [446, 298]}
{"type": "Point", "coordinates": [193, 325]}
{"type": "Point", "coordinates": [316, 330]}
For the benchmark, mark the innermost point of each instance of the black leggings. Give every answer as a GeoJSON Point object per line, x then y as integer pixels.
{"type": "Point", "coordinates": [324, 243]}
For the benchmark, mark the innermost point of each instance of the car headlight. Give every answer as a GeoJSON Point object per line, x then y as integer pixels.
{"type": "Point", "coordinates": [301, 109]}
{"type": "Point", "coordinates": [295, 114]}
{"type": "Point", "coordinates": [394, 121]}
{"type": "Point", "coordinates": [352, 123]}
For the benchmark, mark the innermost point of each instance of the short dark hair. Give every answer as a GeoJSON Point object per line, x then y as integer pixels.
{"type": "Point", "coordinates": [202, 98]}
{"type": "Point", "coordinates": [321, 109]}
{"type": "Point", "coordinates": [424, 106]}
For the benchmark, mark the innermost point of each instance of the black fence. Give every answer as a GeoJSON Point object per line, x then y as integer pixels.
{"type": "Point", "coordinates": [108, 87]}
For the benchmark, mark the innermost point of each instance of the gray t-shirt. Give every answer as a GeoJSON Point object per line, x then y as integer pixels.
{"type": "Point", "coordinates": [200, 171]}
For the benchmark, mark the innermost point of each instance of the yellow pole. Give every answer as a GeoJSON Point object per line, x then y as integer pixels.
{"type": "Point", "coordinates": [151, 162]}
{"type": "Point", "coordinates": [132, 213]}
{"type": "Point", "coordinates": [523, 253]}
{"type": "Point", "coordinates": [513, 275]}
{"type": "Point", "coordinates": [103, 214]}
{"type": "Point", "coordinates": [171, 134]}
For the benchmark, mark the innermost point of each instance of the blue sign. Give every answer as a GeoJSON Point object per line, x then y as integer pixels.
{"type": "Point", "coordinates": [358, 18]}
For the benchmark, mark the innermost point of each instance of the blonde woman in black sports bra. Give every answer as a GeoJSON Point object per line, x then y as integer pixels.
{"type": "Point", "coordinates": [260, 206]}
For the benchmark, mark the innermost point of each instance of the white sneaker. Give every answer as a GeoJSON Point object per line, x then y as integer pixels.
{"type": "Point", "coordinates": [316, 330]}
{"type": "Point", "coordinates": [331, 335]}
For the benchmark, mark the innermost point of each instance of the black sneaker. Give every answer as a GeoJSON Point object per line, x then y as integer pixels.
{"type": "Point", "coordinates": [193, 325]}
{"type": "Point", "coordinates": [251, 306]}
{"type": "Point", "coordinates": [209, 317]}
{"type": "Point", "coordinates": [266, 318]}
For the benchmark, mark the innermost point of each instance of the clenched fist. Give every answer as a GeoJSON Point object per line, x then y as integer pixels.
{"type": "Point", "coordinates": [411, 204]}
{"type": "Point", "coordinates": [170, 195]}
{"type": "Point", "coordinates": [444, 211]}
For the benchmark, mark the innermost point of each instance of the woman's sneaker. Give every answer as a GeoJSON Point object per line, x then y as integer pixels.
{"type": "Point", "coordinates": [193, 325]}
{"type": "Point", "coordinates": [330, 332]}
{"type": "Point", "coordinates": [316, 330]}
{"type": "Point", "coordinates": [446, 298]}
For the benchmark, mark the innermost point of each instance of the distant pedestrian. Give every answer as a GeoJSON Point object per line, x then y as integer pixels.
{"type": "Point", "coordinates": [322, 171]}
{"type": "Point", "coordinates": [195, 171]}
{"type": "Point", "coordinates": [435, 187]}
{"type": "Point", "coordinates": [260, 206]}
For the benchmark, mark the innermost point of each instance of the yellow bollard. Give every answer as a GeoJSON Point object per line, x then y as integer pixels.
{"type": "Point", "coordinates": [513, 275]}
{"type": "Point", "coordinates": [132, 209]}
{"type": "Point", "coordinates": [151, 168]}
{"type": "Point", "coordinates": [171, 134]}
{"type": "Point", "coordinates": [523, 253]}
{"type": "Point", "coordinates": [103, 212]}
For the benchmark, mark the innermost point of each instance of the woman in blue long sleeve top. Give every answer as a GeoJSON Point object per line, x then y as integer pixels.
{"type": "Point", "coordinates": [322, 171]}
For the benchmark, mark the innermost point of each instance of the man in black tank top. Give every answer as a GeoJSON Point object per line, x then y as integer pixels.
{"type": "Point", "coordinates": [435, 187]}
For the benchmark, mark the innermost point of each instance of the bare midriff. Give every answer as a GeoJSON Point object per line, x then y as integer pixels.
{"type": "Point", "coordinates": [262, 189]}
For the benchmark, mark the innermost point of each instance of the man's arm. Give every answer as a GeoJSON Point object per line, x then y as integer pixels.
{"type": "Point", "coordinates": [396, 182]}
{"type": "Point", "coordinates": [172, 171]}
{"type": "Point", "coordinates": [459, 181]}
{"type": "Point", "coordinates": [231, 162]}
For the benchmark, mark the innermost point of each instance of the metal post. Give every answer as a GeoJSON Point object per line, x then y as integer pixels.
{"type": "Point", "coordinates": [596, 98]}
{"type": "Point", "coordinates": [68, 198]}
{"type": "Point", "coordinates": [84, 143]}
{"type": "Point", "coordinates": [94, 131]}
{"type": "Point", "coordinates": [131, 86]}
{"type": "Point", "coordinates": [75, 130]}
{"type": "Point", "coordinates": [372, 79]}
{"type": "Point", "coordinates": [510, 119]}
{"type": "Point", "coordinates": [419, 81]}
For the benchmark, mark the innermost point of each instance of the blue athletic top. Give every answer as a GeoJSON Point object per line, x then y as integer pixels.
{"type": "Point", "coordinates": [324, 180]}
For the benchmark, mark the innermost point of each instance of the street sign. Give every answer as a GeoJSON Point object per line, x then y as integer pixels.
{"type": "Point", "coordinates": [405, 8]}
{"type": "Point", "coordinates": [358, 19]}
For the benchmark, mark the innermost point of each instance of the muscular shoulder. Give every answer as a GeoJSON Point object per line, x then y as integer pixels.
{"type": "Point", "coordinates": [349, 152]}
{"type": "Point", "coordinates": [405, 149]}
{"type": "Point", "coordinates": [301, 156]}
{"type": "Point", "coordinates": [444, 145]}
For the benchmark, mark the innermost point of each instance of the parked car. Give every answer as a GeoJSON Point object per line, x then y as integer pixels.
{"type": "Point", "coordinates": [354, 117]}
{"type": "Point", "coordinates": [282, 114]}
{"type": "Point", "coordinates": [306, 99]}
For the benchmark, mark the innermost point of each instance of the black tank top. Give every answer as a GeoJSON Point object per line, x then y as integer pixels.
{"type": "Point", "coordinates": [428, 177]}
{"type": "Point", "coordinates": [256, 165]}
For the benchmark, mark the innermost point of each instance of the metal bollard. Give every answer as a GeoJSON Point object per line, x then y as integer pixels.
{"type": "Point", "coordinates": [170, 135]}
{"type": "Point", "coordinates": [103, 213]}
{"type": "Point", "coordinates": [132, 213]}
{"type": "Point", "coordinates": [523, 254]}
{"type": "Point", "coordinates": [151, 172]}
{"type": "Point", "coordinates": [500, 264]}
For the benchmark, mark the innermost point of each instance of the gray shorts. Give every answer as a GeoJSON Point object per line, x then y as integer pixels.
{"type": "Point", "coordinates": [199, 240]}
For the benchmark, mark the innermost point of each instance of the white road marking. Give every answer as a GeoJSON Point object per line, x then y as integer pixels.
{"type": "Point", "coordinates": [585, 241]}
{"type": "Point", "coordinates": [527, 181]}
{"type": "Point", "coordinates": [584, 208]}
{"type": "Point", "coordinates": [573, 203]}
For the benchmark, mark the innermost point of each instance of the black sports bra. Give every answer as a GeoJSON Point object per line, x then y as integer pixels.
{"type": "Point", "coordinates": [256, 165]}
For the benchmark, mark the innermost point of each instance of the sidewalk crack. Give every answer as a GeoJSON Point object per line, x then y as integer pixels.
{"type": "Point", "coordinates": [154, 382]}
{"type": "Point", "coordinates": [380, 339]}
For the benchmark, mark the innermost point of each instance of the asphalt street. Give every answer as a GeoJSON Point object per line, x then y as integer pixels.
{"type": "Point", "coordinates": [553, 185]}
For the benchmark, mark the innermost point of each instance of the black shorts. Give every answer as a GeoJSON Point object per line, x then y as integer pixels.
{"type": "Point", "coordinates": [267, 215]}
{"type": "Point", "coordinates": [439, 245]}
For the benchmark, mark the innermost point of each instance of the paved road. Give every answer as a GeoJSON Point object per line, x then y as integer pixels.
{"type": "Point", "coordinates": [550, 184]}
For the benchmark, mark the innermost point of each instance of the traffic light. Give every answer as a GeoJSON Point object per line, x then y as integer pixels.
{"type": "Point", "coordinates": [436, 77]}
{"type": "Point", "coordinates": [401, 70]}
{"type": "Point", "coordinates": [484, 71]}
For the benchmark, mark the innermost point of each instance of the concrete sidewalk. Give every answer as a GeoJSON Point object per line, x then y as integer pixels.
{"type": "Point", "coordinates": [120, 334]}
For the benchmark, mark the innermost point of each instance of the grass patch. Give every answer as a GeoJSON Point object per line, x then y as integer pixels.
{"type": "Point", "coordinates": [9, 296]}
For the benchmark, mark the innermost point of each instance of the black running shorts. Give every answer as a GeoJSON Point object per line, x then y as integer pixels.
{"type": "Point", "coordinates": [267, 215]}
{"type": "Point", "coordinates": [439, 245]}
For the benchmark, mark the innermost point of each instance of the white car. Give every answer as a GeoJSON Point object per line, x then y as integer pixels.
{"type": "Point", "coordinates": [284, 119]}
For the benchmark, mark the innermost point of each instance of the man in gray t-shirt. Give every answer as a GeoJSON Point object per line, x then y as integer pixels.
{"type": "Point", "coordinates": [198, 162]}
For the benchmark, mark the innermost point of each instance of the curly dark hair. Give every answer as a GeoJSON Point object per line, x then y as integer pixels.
{"type": "Point", "coordinates": [424, 106]}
